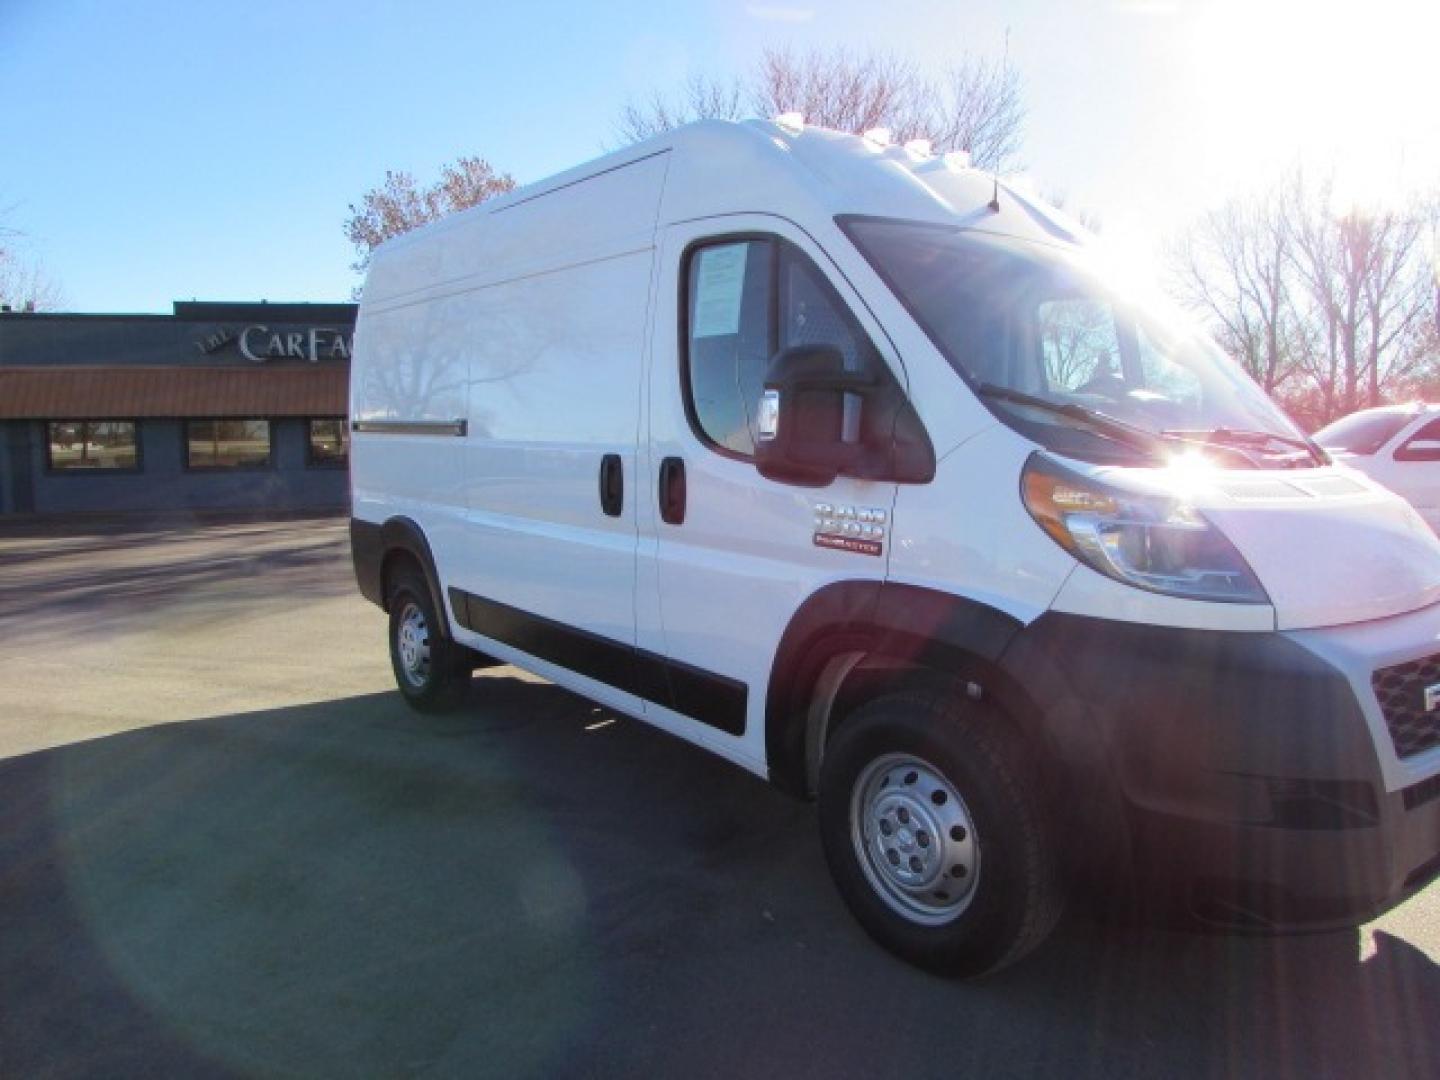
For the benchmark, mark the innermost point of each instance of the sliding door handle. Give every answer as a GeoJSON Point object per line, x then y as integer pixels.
{"type": "Point", "coordinates": [612, 485]}
{"type": "Point", "coordinates": [672, 491]}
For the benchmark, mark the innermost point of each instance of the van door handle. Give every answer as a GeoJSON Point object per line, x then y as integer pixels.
{"type": "Point", "coordinates": [612, 485]}
{"type": "Point", "coordinates": [672, 491]}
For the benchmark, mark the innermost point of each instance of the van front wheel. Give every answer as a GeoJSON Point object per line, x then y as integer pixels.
{"type": "Point", "coordinates": [430, 670]}
{"type": "Point", "coordinates": [934, 833]}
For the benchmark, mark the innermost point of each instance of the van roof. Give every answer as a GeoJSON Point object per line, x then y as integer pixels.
{"type": "Point", "coordinates": [722, 166]}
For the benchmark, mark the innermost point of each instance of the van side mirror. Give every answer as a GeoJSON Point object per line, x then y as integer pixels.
{"type": "Point", "coordinates": [809, 423]}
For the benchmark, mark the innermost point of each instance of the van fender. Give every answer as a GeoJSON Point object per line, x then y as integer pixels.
{"type": "Point", "coordinates": [373, 548]}
{"type": "Point", "coordinates": [904, 625]}
{"type": "Point", "coordinates": [835, 620]}
{"type": "Point", "coordinates": [853, 638]}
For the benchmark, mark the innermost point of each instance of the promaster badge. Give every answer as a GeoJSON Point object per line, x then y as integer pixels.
{"type": "Point", "coordinates": [849, 528]}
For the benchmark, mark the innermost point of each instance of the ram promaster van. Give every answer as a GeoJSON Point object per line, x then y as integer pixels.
{"type": "Point", "coordinates": [856, 468]}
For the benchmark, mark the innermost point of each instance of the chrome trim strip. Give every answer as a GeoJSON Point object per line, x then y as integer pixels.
{"type": "Point", "coordinates": [410, 427]}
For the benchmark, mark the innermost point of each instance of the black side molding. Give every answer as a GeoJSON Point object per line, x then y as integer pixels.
{"type": "Point", "coordinates": [715, 700]}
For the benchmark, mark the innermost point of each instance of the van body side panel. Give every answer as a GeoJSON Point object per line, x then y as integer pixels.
{"type": "Point", "coordinates": [410, 367]}
{"type": "Point", "coordinates": [555, 361]}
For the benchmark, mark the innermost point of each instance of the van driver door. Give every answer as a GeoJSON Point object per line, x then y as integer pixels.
{"type": "Point", "coordinates": [727, 556]}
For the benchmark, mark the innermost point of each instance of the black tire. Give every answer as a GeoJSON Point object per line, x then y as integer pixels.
{"type": "Point", "coordinates": [1002, 894]}
{"type": "Point", "coordinates": [438, 683]}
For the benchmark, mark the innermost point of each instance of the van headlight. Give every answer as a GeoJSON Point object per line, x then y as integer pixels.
{"type": "Point", "coordinates": [1150, 541]}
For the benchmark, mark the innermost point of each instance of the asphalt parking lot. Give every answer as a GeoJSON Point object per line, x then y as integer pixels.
{"type": "Point", "coordinates": [226, 848]}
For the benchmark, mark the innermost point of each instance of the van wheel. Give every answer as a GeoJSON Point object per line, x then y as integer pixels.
{"type": "Point", "coordinates": [934, 833]}
{"type": "Point", "coordinates": [431, 671]}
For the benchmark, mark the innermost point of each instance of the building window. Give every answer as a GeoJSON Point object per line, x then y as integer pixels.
{"type": "Point", "coordinates": [227, 444]}
{"type": "Point", "coordinates": [329, 443]}
{"type": "Point", "coordinates": [86, 445]}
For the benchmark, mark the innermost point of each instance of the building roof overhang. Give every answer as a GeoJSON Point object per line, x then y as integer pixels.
{"type": "Point", "coordinates": [135, 392]}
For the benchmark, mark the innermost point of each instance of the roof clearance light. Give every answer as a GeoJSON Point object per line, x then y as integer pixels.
{"type": "Point", "coordinates": [958, 160]}
{"type": "Point", "coordinates": [792, 123]}
{"type": "Point", "coordinates": [880, 136]}
{"type": "Point", "coordinates": [919, 148]}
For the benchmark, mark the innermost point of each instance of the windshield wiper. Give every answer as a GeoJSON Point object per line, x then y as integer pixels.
{"type": "Point", "coordinates": [1131, 435]}
{"type": "Point", "coordinates": [1223, 435]}
{"type": "Point", "coordinates": [1136, 438]}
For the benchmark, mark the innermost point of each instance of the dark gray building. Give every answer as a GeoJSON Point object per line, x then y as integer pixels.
{"type": "Point", "coordinates": [216, 406]}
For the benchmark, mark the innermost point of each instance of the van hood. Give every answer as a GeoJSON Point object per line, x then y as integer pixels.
{"type": "Point", "coordinates": [1330, 546]}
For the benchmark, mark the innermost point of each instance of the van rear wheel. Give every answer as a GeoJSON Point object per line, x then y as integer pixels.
{"type": "Point", "coordinates": [431, 671]}
{"type": "Point", "coordinates": [933, 830]}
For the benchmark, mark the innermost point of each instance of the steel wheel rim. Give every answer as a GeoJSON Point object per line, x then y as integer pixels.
{"type": "Point", "coordinates": [915, 839]}
{"type": "Point", "coordinates": [412, 644]}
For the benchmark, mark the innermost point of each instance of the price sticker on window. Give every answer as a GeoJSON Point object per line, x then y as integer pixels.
{"type": "Point", "coordinates": [719, 285]}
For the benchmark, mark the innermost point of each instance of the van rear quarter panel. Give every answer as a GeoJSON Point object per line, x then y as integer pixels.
{"type": "Point", "coordinates": [410, 365]}
{"type": "Point", "coordinates": [526, 318]}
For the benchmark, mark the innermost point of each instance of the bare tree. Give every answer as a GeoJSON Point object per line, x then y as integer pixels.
{"type": "Point", "coordinates": [1398, 296]}
{"type": "Point", "coordinates": [979, 108]}
{"type": "Point", "coordinates": [1233, 266]}
{"type": "Point", "coordinates": [25, 285]}
{"type": "Point", "coordinates": [975, 105]}
{"type": "Point", "coordinates": [840, 90]}
{"type": "Point", "coordinates": [701, 98]}
{"type": "Point", "coordinates": [1423, 384]}
{"type": "Point", "coordinates": [401, 204]}
{"type": "Point", "coordinates": [1329, 309]}
{"type": "Point", "coordinates": [1371, 291]}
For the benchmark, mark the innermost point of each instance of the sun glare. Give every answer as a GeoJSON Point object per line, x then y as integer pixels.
{"type": "Point", "coordinates": [1189, 472]}
{"type": "Point", "coordinates": [1342, 86]}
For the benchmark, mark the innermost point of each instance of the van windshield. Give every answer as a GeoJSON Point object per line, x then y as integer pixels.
{"type": "Point", "coordinates": [1067, 359]}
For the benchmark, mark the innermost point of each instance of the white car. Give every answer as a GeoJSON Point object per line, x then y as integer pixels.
{"type": "Point", "coordinates": [850, 465]}
{"type": "Point", "coordinates": [1398, 446]}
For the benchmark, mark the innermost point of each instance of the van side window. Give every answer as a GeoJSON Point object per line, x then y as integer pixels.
{"type": "Point", "coordinates": [731, 336]}
{"type": "Point", "coordinates": [812, 314]}
{"type": "Point", "coordinates": [747, 301]}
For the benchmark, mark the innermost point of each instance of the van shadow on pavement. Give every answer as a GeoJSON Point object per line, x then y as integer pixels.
{"type": "Point", "coordinates": [524, 888]}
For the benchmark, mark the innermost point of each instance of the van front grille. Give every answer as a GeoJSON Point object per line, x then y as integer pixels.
{"type": "Point", "coordinates": [1401, 691]}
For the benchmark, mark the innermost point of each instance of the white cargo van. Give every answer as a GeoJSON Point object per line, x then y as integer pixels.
{"type": "Point", "coordinates": [851, 466]}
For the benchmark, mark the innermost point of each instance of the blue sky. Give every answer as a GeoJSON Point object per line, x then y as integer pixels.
{"type": "Point", "coordinates": [162, 150]}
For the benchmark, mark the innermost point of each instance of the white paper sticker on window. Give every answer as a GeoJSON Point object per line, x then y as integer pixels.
{"type": "Point", "coordinates": [719, 283]}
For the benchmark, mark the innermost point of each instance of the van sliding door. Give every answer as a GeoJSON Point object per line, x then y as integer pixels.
{"type": "Point", "coordinates": [557, 346]}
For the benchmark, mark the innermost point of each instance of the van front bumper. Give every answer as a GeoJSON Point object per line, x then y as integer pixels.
{"type": "Point", "coordinates": [1248, 777]}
